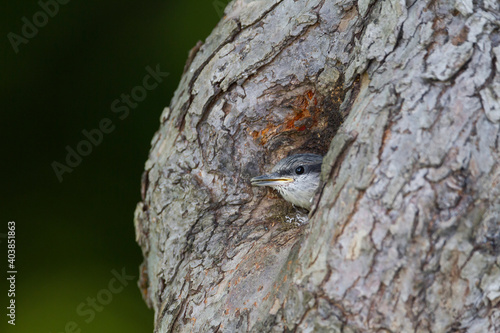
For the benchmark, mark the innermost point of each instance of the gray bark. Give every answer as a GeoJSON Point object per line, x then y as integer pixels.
{"type": "Point", "coordinates": [403, 98]}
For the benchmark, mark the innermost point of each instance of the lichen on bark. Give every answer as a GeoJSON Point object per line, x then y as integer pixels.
{"type": "Point", "coordinates": [403, 99]}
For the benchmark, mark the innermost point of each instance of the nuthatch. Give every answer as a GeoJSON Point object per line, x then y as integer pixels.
{"type": "Point", "coordinates": [295, 177]}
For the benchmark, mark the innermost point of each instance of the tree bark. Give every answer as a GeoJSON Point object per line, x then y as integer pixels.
{"type": "Point", "coordinates": [404, 236]}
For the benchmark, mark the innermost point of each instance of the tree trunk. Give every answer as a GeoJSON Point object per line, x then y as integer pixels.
{"type": "Point", "coordinates": [404, 236]}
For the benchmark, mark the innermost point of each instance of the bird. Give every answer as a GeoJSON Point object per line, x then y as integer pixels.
{"type": "Point", "coordinates": [295, 177]}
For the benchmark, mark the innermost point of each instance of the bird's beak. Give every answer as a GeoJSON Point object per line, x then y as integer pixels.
{"type": "Point", "coordinates": [270, 180]}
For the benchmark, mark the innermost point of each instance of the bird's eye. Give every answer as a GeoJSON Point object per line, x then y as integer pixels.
{"type": "Point", "coordinates": [299, 170]}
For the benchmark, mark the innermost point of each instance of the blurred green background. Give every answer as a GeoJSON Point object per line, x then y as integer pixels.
{"type": "Point", "coordinates": [70, 235]}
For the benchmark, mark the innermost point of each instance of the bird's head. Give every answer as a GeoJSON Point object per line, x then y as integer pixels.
{"type": "Point", "coordinates": [296, 177]}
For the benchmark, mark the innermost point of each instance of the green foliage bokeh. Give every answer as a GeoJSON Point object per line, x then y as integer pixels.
{"type": "Point", "coordinates": [70, 235]}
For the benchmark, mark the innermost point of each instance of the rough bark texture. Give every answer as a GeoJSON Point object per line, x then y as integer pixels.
{"type": "Point", "coordinates": [403, 98]}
